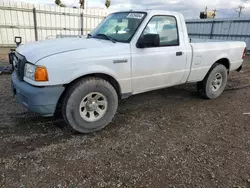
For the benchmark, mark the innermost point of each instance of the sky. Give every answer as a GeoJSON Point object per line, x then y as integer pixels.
{"type": "Point", "coordinates": [190, 8]}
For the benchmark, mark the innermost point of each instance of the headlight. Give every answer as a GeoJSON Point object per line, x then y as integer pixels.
{"type": "Point", "coordinates": [36, 73]}
{"type": "Point", "coordinates": [29, 71]}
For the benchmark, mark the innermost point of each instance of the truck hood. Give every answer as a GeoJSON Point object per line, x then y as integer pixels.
{"type": "Point", "coordinates": [36, 51]}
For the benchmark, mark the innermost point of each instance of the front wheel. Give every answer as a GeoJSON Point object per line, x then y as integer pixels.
{"type": "Point", "coordinates": [214, 83]}
{"type": "Point", "coordinates": [90, 105]}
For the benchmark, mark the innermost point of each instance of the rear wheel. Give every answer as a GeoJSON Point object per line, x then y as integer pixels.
{"type": "Point", "coordinates": [90, 105]}
{"type": "Point", "coordinates": [214, 83]}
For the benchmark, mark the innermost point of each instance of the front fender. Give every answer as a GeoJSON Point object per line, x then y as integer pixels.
{"type": "Point", "coordinates": [92, 69]}
{"type": "Point", "coordinates": [67, 67]}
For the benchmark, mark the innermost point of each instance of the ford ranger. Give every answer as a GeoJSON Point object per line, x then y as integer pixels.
{"type": "Point", "coordinates": [130, 52]}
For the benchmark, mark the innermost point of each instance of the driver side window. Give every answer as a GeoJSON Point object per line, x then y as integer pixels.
{"type": "Point", "coordinates": [166, 27]}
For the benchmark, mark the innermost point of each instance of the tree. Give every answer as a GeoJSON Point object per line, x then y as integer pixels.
{"type": "Point", "coordinates": [108, 3]}
{"type": "Point", "coordinates": [59, 3]}
{"type": "Point", "coordinates": [82, 2]}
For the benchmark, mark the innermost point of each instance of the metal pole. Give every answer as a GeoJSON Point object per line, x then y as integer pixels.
{"type": "Point", "coordinates": [212, 30]}
{"type": "Point", "coordinates": [229, 29]}
{"type": "Point", "coordinates": [81, 16]}
{"type": "Point", "coordinates": [35, 24]}
{"type": "Point", "coordinates": [240, 11]}
{"type": "Point", "coordinates": [214, 13]}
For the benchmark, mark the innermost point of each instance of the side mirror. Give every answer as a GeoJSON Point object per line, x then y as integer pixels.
{"type": "Point", "coordinates": [149, 40]}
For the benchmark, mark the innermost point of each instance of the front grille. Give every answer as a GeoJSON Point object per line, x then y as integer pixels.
{"type": "Point", "coordinates": [18, 64]}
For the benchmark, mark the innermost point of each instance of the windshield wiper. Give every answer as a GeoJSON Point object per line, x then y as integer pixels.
{"type": "Point", "coordinates": [108, 37]}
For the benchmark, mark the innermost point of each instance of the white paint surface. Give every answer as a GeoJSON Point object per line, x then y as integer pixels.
{"type": "Point", "coordinates": [146, 68]}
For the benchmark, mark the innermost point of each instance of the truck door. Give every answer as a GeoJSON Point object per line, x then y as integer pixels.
{"type": "Point", "coordinates": [159, 67]}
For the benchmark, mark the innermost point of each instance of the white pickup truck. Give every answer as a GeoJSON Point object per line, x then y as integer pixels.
{"type": "Point", "coordinates": [130, 52]}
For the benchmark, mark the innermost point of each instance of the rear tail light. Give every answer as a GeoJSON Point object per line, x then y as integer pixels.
{"type": "Point", "coordinates": [244, 53]}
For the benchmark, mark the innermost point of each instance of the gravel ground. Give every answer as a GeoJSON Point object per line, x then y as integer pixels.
{"type": "Point", "coordinates": [167, 138]}
{"type": "Point", "coordinates": [4, 56]}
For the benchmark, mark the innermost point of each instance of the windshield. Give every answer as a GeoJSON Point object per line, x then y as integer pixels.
{"type": "Point", "coordinates": [120, 26]}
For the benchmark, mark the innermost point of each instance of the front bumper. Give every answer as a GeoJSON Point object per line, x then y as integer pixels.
{"type": "Point", "coordinates": [41, 100]}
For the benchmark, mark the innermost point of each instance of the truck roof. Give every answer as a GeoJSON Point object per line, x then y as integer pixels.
{"type": "Point", "coordinates": [150, 11]}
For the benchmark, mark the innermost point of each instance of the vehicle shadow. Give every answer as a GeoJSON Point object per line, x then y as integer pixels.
{"type": "Point", "coordinates": [30, 122]}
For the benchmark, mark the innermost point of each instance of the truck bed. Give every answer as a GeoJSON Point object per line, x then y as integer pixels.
{"type": "Point", "coordinates": [206, 51]}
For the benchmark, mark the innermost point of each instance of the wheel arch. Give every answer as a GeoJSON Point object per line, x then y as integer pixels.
{"type": "Point", "coordinates": [202, 85]}
{"type": "Point", "coordinates": [223, 61]}
{"type": "Point", "coordinates": [103, 76]}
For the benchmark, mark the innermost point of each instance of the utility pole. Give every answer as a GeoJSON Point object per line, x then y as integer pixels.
{"type": "Point", "coordinates": [206, 10]}
{"type": "Point", "coordinates": [240, 10]}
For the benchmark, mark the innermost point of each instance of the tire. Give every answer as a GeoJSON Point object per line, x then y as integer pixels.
{"type": "Point", "coordinates": [210, 88]}
{"type": "Point", "coordinates": [79, 104]}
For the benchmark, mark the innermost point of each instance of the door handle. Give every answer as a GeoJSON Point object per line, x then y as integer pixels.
{"type": "Point", "coordinates": [179, 53]}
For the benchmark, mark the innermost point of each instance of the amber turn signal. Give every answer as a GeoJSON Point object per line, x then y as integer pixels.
{"type": "Point", "coordinates": [41, 74]}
